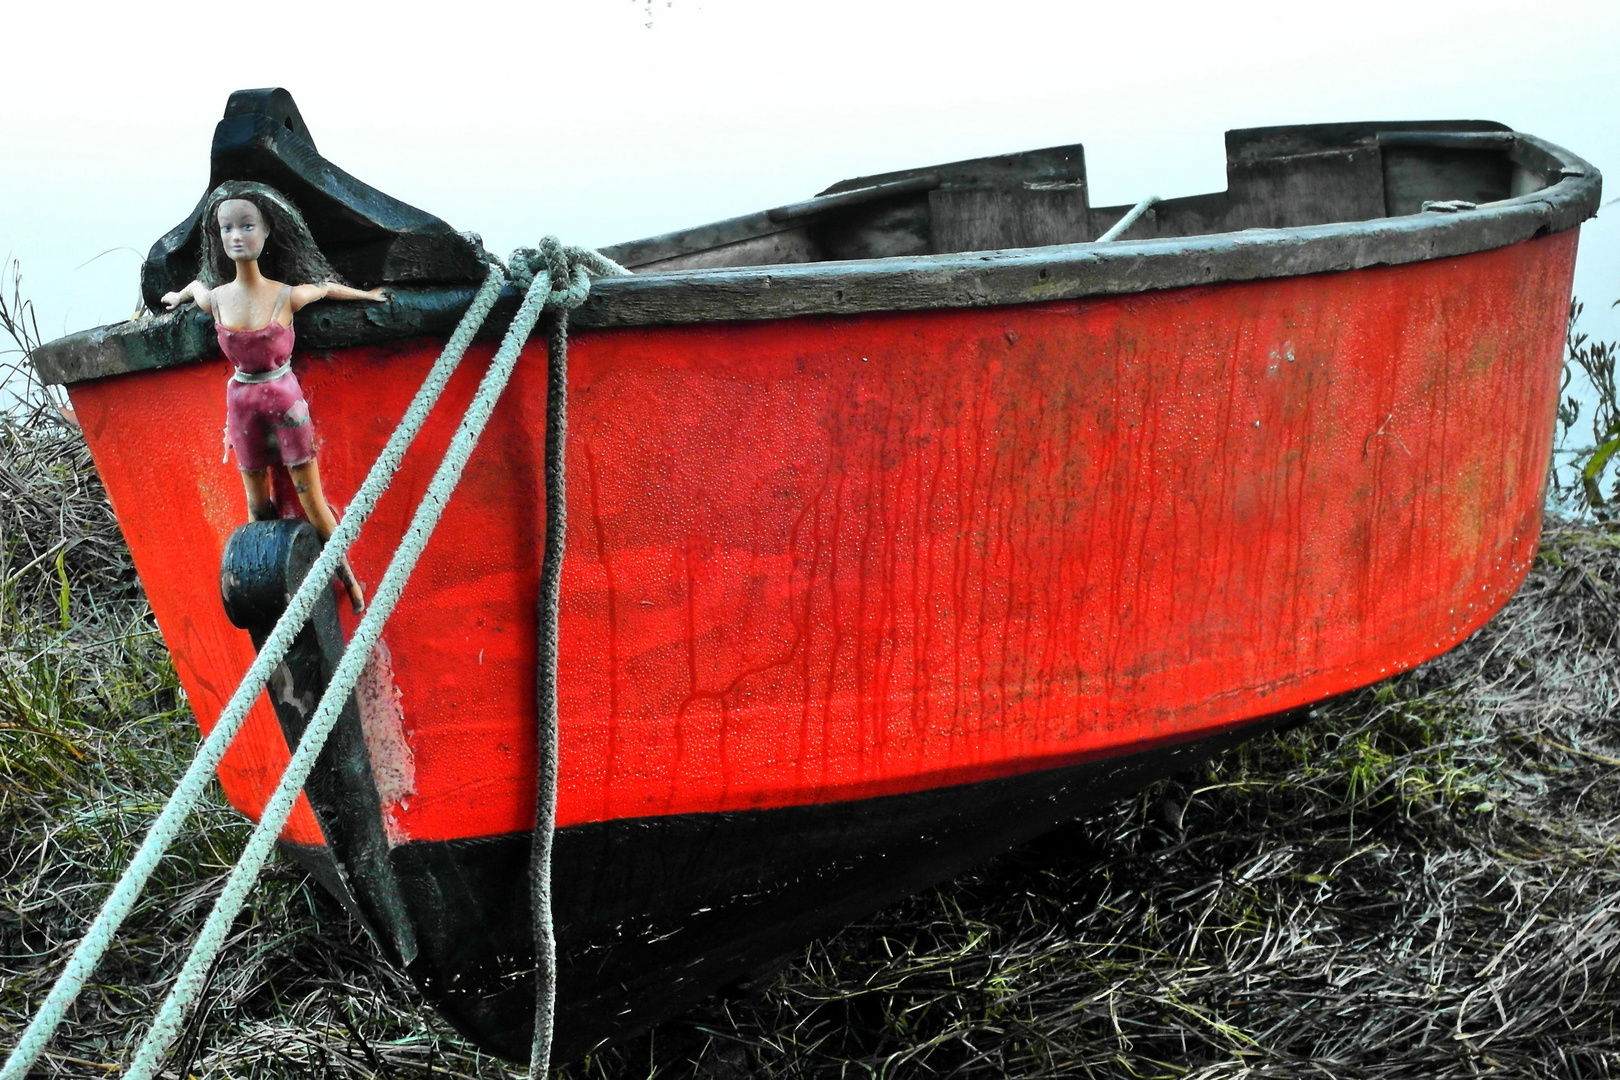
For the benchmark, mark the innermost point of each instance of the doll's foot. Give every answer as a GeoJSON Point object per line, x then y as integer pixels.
{"type": "Point", "coordinates": [351, 585]}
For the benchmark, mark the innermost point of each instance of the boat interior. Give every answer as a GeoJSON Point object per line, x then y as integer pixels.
{"type": "Point", "coordinates": [1444, 186]}
{"type": "Point", "coordinates": [1280, 177]}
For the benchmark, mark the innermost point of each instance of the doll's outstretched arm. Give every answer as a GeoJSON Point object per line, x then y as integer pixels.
{"type": "Point", "coordinates": [331, 290]}
{"type": "Point", "coordinates": [196, 292]}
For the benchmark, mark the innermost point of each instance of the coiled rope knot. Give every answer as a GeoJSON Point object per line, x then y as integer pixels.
{"type": "Point", "coordinates": [568, 271]}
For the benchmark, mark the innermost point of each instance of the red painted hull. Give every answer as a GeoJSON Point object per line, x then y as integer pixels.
{"type": "Point", "coordinates": [829, 558]}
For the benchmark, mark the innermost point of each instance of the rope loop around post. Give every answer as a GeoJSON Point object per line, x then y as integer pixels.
{"type": "Point", "coordinates": [569, 268]}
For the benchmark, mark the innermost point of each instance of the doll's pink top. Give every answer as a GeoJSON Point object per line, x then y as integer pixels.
{"type": "Point", "coordinates": [254, 352]}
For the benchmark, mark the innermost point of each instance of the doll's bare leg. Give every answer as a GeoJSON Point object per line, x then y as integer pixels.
{"type": "Point", "coordinates": [261, 507]}
{"type": "Point", "coordinates": [306, 480]}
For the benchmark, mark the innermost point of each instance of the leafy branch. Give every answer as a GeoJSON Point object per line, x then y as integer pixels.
{"type": "Point", "coordinates": [1579, 482]}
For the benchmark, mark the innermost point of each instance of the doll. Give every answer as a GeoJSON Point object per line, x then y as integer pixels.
{"type": "Point", "coordinates": [266, 418]}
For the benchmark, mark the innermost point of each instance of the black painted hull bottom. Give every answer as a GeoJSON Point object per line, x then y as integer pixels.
{"type": "Point", "coordinates": [655, 914]}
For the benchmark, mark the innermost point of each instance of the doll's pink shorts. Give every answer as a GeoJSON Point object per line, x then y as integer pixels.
{"type": "Point", "coordinates": [268, 423]}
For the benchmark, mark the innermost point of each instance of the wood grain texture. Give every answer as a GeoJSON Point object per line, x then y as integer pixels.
{"type": "Point", "coordinates": [1019, 216]}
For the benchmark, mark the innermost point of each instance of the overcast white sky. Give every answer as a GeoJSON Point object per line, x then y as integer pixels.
{"type": "Point", "coordinates": [583, 120]}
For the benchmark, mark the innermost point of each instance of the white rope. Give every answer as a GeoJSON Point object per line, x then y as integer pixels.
{"type": "Point", "coordinates": [193, 975]}
{"type": "Point", "coordinates": [546, 708]}
{"type": "Point", "coordinates": [561, 261]}
{"type": "Point", "coordinates": [1129, 219]}
{"type": "Point", "coordinates": [98, 938]}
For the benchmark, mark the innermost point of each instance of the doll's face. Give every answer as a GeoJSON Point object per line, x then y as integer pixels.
{"type": "Point", "coordinates": [242, 230]}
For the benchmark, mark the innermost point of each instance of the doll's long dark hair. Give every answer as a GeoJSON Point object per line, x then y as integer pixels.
{"type": "Point", "coordinates": [290, 254]}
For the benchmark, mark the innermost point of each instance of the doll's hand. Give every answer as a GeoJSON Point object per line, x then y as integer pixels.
{"type": "Point", "coordinates": [170, 299]}
{"type": "Point", "coordinates": [376, 294]}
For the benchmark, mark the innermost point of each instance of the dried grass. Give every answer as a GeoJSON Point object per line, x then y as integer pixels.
{"type": "Point", "coordinates": [1423, 881]}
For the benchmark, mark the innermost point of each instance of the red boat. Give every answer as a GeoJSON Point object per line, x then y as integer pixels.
{"type": "Point", "coordinates": [909, 521]}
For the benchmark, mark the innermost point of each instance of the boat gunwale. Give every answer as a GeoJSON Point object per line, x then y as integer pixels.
{"type": "Point", "coordinates": [978, 279]}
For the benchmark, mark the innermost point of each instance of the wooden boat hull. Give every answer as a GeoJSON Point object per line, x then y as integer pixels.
{"type": "Point", "coordinates": [825, 561]}
{"type": "Point", "coordinates": [877, 564]}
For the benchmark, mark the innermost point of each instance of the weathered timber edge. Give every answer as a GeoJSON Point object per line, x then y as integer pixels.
{"type": "Point", "coordinates": [958, 280]}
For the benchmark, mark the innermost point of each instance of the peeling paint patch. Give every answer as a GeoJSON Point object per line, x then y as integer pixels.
{"type": "Point", "coordinates": [282, 692]}
{"type": "Point", "coordinates": [382, 719]}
